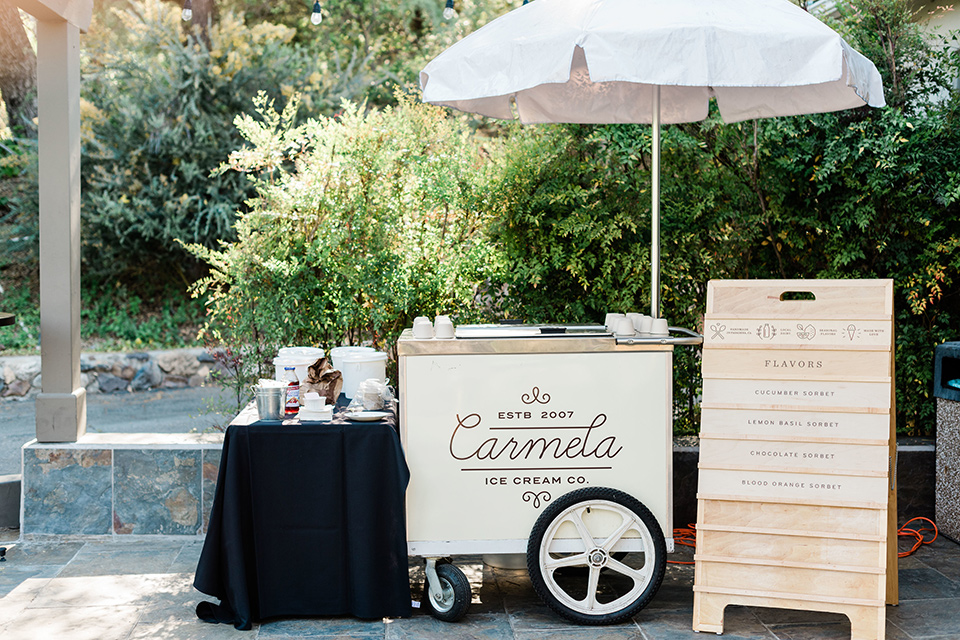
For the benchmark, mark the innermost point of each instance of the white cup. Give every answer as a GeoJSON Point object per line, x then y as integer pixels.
{"type": "Point", "coordinates": [644, 325]}
{"type": "Point", "coordinates": [423, 329]}
{"type": "Point", "coordinates": [634, 318]}
{"type": "Point", "coordinates": [443, 328]}
{"type": "Point", "coordinates": [624, 327]}
{"type": "Point", "coordinates": [421, 319]}
{"type": "Point", "coordinates": [659, 328]}
{"type": "Point", "coordinates": [612, 321]}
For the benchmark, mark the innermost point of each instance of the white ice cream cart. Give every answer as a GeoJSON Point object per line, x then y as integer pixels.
{"type": "Point", "coordinates": [554, 442]}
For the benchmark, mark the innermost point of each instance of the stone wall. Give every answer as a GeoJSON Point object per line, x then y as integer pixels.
{"type": "Point", "coordinates": [112, 372]}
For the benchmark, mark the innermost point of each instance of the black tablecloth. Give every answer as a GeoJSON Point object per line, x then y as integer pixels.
{"type": "Point", "coordinates": [7, 318]}
{"type": "Point", "coordinates": [307, 520]}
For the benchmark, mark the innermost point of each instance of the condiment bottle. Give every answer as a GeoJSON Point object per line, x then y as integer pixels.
{"type": "Point", "coordinates": [293, 390]}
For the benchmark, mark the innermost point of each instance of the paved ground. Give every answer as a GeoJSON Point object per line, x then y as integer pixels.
{"type": "Point", "coordinates": [142, 589]}
{"type": "Point", "coordinates": [161, 411]}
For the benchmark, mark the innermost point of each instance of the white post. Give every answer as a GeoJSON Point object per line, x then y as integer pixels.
{"type": "Point", "coordinates": [655, 209]}
{"type": "Point", "coordinates": [61, 406]}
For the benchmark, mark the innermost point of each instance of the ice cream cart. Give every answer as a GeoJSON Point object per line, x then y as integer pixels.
{"type": "Point", "coordinates": [549, 441]}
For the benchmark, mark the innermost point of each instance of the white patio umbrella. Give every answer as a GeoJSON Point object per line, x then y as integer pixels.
{"type": "Point", "coordinates": [651, 61]}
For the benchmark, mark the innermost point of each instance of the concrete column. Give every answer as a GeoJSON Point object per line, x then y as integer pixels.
{"type": "Point", "coordinates": [62, 405]}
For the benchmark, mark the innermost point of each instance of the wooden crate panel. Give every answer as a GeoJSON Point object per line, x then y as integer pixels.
{"type": "Point", "coordinates": [780, 579]}
{"type": "Point", "coordinates": [841, 299]}
{"type": "Point", "coordinates": [780, 364]}
{"type": "Point", "coordinates": [772, 424]}
{"type": "Point", "coordinates": [738, 333]}
{"type": "Point", "coordinates": [791, 549]}
{"type": "Point", "coordinates": [812, 519]}
{"type": "Point", "coordinates": [809, 456]}
{"type": "Point", "coordinates": [776, 485]}
{"type": "Point", "coordinates": [812, 394]}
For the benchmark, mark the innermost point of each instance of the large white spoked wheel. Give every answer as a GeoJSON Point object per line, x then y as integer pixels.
{"type": "Point", "coordinates": [586, 528]}
{"type": "Point", "coordinates": [451, 601]}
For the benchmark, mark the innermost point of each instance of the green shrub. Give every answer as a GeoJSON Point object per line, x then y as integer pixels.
{"type": "Point", "coordinates": [160, 106]}
{"type": "Point", "coordinates": [361, 222]}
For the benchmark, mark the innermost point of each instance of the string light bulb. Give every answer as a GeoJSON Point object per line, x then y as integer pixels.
{"type": "Point", "coordinates": [187, 12]}
{"type": "Point", "coordinates": [449, 13]}
{"type": "Point", "coordinates": [316, 17]}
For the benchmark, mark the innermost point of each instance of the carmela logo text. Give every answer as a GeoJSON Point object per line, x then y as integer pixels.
{"type": "Point", "coordinates": [579, 444]}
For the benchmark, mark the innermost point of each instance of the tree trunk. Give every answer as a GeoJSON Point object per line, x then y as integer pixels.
{"type": "Point", "coordinates": [18, 71]}
{"type": "Point", "coordinates": [203, 16]}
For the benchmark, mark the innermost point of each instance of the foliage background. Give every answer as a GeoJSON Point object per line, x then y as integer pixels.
{"type": "Point", "coordinates": [356, 207]}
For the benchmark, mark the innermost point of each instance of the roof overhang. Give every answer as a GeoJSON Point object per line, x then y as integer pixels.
{"type": "Point", "coordinates": [76, 12]}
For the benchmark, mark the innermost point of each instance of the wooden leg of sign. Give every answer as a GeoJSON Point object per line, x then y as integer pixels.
{"type": "Point", "coordinates": [893, 589]}
{"type": "Point", "coordinates": [708, 611]}
{"type": "Point", "coordinates": [867, 623]}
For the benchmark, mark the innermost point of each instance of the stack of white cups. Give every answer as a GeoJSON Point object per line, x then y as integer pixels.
{"type": "Point", "coordinates": [636, 324]}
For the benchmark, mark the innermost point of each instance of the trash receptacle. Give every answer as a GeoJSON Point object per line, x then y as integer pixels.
{"type": "Point", "coordinates": [946, 388]}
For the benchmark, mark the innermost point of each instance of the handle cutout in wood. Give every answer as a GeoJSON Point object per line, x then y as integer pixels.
{"type": "Point", "coordinates": [797, 295]}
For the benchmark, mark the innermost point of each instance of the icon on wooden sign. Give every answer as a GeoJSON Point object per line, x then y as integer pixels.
{"type": "Point", "coordinates": [767, 331]}
{"type": "Point", "coordinates": [808, 332]}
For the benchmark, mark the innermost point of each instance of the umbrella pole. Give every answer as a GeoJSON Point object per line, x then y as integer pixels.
{"type": "Point", "coordinates": [655, 209]}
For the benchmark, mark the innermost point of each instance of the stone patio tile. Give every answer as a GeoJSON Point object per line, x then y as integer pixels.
{"type": "Point", "coordinates": [926, 583]}
{"type": "Point", "coordinates": [102, 559]}
{"type": "Point", "coordinates": [739, 624]}
{"type": "Point", "coordinates": [67, 491]}
{"type": "Point", "coordinates": [825, 631]}
{"type": "Point", "coordinates": [926, 619]}
{"type": "Point", "coordinates": [422, 626]}
{"type": "Point", "coordinates": [32, 554]}
{"type": "Point", "coordinates": [338, 637]}
{"type": "Point", "coordinates": [155, 590]}
{"type": "Point", "coordinates": [583, 633]}
{"type": "Point", "coordinates": [188, 630]}
{"type": "Point", "coordinates": [75, 623]}
{"type": "Point", "coordinates": [157, 491]}
{"type": "Point", "coordinates": [321, 627]}
{"type": "Point", "coordinates": [12, 576]}
{"type": "Point", "coordinates": [775, 616]}
{"type": "Point", "coordinates": [675, 592]}
{"type": "Point", "coordinates": [187, 558]}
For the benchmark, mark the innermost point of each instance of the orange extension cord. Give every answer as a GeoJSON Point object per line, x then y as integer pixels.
{"type": "Point", "coordinates": [917, 535]}
{"type": "Point", "coordinates": [687, 537]}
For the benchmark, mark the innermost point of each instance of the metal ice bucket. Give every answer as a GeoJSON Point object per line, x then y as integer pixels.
{"type": "Point", "coordinates": [270, 402]}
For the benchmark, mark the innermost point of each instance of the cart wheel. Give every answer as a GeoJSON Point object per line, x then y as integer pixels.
{"type": "Point", "coordinates": [580, 529]}
{"type": "Point", "coordinates": [454, 598]}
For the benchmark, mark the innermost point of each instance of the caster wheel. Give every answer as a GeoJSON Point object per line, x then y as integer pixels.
{"type": "Point", "coordinates": [453, 600]}
{"type": "Point", "coordinates": [580, 530]}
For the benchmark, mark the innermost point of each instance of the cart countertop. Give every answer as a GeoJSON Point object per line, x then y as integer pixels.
{"type": "Point", "coordinates": [407, 345]}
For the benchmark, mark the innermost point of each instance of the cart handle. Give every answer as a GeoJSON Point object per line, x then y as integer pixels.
{"type": "Point", "coordinates": [689, 338]}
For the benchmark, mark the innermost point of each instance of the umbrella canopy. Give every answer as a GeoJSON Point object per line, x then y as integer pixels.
{"type": "Point", "coordinates": [651, 61]}
{"type": "Point", "coordinates": [597, 61]}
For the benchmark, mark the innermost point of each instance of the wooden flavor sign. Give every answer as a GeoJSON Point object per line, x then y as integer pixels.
{"type": "Point", "coordinates": [797, 498]}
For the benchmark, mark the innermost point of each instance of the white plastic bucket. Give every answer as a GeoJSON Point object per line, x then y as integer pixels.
{"type": "Point", "coordinates": [338, 353]}
{"type": "Point", "coordinates": [299, 358]}
{"type": "Point", "coordinates": [358, 367]}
